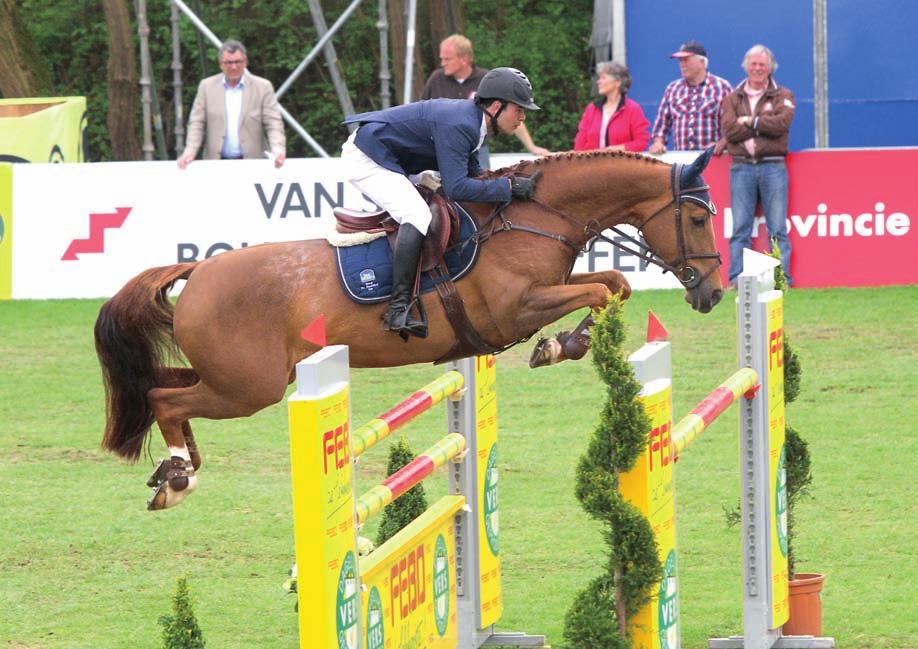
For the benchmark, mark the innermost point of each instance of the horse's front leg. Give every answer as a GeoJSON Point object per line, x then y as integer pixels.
{"type": "Point", "coordinates": [614, 280]}
{"type": "Point", "coordinates": [546, 304]}
{"type": "Point", "coordinates": [573, 345]}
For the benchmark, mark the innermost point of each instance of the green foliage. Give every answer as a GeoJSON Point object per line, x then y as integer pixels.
{"type": "Point", "coordinates": [633, 566]}
{"type": "Point", "coordinates": [797, 462]}
{"type": "Point", "coordinates": [181, 630]}
{"type": "Point", "coordinates": [410, 505]}
{"type": "Point", "coordinates": [549, 41]}
{"type": "Point", "coordinates": [797, 466]}
{"type": "Point", "coordinates": [590, 621]}
{"type": "Point", "coordinates": [279, 33]}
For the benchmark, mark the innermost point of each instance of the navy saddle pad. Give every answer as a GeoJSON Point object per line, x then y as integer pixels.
{"type": "Point", "coordinates": [365, 271]}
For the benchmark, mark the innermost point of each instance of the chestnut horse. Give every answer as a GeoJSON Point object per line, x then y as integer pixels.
{"type": "Point", "coordinates": [239, 317]}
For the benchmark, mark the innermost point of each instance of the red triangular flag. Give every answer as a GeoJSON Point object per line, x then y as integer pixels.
{"type": "Point", "coordinates": [314, 332]}
{"type": "Point", "coordinates": [656, 332]}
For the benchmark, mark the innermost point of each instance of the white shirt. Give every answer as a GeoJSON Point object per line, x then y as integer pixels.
{"type": "Point", "coordinates": [483, 132]}
{"type": "Point", "coordinates": [231, 147]}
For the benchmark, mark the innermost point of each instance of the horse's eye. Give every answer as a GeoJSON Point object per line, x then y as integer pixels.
{"type": "Point", "coordinates": [698, 221]}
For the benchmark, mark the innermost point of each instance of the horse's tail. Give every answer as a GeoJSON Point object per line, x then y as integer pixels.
{"type": "Point", "coordinates": [133, 336]}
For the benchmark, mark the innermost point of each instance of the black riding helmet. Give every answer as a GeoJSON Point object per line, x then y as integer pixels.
{"type": "Point", "coordinates": [506, 85]}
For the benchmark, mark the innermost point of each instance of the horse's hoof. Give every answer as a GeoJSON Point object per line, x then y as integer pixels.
{"type": "Point", "coordinates": [159, 498]}
{"type": "Point", "coordinates": [172, 481]}
{"type": "Point", "coordinates": [547, 351]}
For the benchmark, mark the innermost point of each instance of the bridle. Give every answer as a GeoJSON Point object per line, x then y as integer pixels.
{"type": "Point", "coordinates": [687, 274]}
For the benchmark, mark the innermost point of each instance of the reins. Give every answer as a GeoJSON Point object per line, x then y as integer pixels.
{"type": "Point", "coordinates": [687, 274]}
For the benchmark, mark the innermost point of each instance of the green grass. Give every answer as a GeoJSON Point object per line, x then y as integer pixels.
{"type": "Point", "coordinates": [83, 565]}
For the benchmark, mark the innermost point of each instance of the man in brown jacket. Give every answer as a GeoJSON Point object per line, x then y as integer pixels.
{"type": "Point", "coordinates": [756, 119]}
{"type": "Point", "coordinates": [232, 112]}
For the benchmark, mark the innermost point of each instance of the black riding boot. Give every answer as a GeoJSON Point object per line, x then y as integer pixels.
{"type": "Point", "coordinates": [404, 269]}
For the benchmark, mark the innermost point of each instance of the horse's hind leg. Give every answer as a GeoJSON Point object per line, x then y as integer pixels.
{"type": "Point", "coordinates": [175, 479]}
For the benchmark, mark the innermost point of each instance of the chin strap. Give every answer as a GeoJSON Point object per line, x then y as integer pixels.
{"type": "Point", "coordinates": [494, 129]}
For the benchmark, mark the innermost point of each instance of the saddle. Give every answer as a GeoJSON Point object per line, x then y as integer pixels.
{"type": "Point", "coordinates": [442, 233]}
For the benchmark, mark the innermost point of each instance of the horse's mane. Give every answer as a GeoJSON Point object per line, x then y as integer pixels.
{"type": "Point", "coordinates": [530, 166]}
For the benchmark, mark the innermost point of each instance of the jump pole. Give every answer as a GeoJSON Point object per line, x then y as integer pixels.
{"type": "Point", "coordinates": [760, 383]}
{"type": "Point", "coordinates": [437, 582]}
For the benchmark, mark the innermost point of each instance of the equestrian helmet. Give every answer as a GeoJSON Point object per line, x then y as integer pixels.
{"type": "Point", "coordinates": [507, 84]}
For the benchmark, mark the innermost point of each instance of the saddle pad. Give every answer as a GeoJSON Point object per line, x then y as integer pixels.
{"type": "Point", "coordinates": [365, 271]}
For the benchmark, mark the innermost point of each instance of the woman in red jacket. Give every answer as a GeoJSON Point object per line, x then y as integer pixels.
{"type": "Point", "coordinates": [613, 121]}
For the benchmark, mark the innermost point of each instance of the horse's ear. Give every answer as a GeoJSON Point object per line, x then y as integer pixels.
{"type": "Point", "coordinates": [692, 172]}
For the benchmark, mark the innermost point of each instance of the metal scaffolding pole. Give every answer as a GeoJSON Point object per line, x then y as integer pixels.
{"type": "Point", "coordinates": [143, 31]}
{"type": "Point", "coordinates": [821, 73]}
{"type": "Point", "coordinates": [318, 48]}
{"type": "Point", "coordinates": [331, 59]}
{"type": "Point", "coordinates": [177, 81]}
{"type": "Point", "coordinates": [384, 76]}
{"type": "Point", "coordinates": [409, 50]}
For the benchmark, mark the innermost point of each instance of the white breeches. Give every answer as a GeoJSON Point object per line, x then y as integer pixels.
{"type": "Point", "coordinates": [391, 191]}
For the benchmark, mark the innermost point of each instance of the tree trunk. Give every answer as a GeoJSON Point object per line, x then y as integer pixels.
{"type": "Point", "coordinates": [23, 72]}
{"type": "Point", "coordinates": [445, 18]}
{"type": "Point", "coordinates": [398, 26]}
{"type": "Point", "coordinates": [122, 82]}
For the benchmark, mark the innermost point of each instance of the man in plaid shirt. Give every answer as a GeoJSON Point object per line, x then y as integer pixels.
{"type": "Point", "coordinates": [690, 108]}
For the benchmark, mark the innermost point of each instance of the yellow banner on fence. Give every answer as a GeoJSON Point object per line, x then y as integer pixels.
{"type": "Point", "coordinates": [323, 508]}
{"type": "Point", "coordinates": [649, 487]}
{"type": "Point", "coordinates": [42, 129]}
{"type": "Point", "coordinates": [409, 584]}
{"type": "Point", "coordinates": [492, 605]}
{"type": "Point", "coordinates": [774, 313]}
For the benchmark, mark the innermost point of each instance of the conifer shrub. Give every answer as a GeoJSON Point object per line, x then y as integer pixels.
{"type": "Point", "coordinates": [181, 630]}
{"type": "Point", "coordinates": [627, 575]}
{"type": "Point", "coordinates": [410, 505]}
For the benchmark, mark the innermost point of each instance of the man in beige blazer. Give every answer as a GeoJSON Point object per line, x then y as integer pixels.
{"type": "Point", "coordinates": [231, 113]}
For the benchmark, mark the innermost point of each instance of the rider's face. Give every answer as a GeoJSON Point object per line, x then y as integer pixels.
{"type": "Point", "coordinates": [511, 118]}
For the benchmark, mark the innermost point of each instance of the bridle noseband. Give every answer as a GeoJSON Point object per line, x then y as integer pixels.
{"type": "Point", "coordinates": [686, 273]}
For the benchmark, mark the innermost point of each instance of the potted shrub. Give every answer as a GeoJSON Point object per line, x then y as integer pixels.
{"type": "Point", "coordinates": [805, 587]}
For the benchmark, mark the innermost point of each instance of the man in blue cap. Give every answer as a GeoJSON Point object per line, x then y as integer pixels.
{"type": "Point", "coordinates": [442, 135]}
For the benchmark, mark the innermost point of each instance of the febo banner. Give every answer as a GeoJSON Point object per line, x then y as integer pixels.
{"type": "Point", "coordinates": [84, 230]}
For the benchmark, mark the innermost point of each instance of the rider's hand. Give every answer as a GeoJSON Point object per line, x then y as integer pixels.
{"type": "Point", "coordinates": [522, 187]}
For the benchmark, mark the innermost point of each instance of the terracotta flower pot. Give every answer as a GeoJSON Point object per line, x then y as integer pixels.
{"type": "Point", "coordinates": [805, 605]}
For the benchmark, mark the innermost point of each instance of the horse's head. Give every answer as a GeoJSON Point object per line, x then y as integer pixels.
{"type": "Point", "coordinates": [682, 235]}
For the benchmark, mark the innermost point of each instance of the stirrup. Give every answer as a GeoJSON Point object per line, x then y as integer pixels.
{"type": "Point", "coordinates": [402, 323]}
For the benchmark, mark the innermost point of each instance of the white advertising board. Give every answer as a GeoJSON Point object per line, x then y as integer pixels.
{"type": "Point", "coordinates": [83, 230]}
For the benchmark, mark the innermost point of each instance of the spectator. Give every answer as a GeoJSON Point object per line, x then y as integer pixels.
{"type": "Point", "coordinates": [230, 111]}
{"type": "Point", "coordinates": [613, 121]}
{"type": "Point", "coordinates": [756, 120]}
{"type": "Point", "coordinates": [458, 78]}
{"type": "Point", "coordinates": [439, 134]}
{"type": "Point", "coordinates": [690, 108]}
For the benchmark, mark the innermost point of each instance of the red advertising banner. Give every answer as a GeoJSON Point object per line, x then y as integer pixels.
{"type": "Point", "coordinates": [849, 217]}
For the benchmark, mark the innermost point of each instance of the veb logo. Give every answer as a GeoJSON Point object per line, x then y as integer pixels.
{"type": "Point", "coordinates": [95, 242]}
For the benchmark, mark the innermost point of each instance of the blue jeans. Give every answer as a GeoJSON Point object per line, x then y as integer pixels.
{"type": "Point", "coordinates": [749, 183]}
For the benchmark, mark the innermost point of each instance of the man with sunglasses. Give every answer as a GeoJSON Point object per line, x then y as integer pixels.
{"type": "Point", "coordinates": [232, 112]}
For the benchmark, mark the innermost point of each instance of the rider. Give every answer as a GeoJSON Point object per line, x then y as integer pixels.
{"type": "Point", "coordinates": [439, 134]}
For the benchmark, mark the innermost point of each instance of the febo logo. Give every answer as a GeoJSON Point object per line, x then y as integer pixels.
{"type": "Point", "coordinates": [95, 242]}
{"type": "Point", "coordinates": [827, 223]}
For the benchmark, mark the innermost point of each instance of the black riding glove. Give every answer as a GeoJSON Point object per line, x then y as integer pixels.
{"type": "Point", "coordinates": [522, 187]}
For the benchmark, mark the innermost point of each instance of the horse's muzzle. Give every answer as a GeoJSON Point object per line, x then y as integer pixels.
{"type": "Point", "coordinates": [703, 300]}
